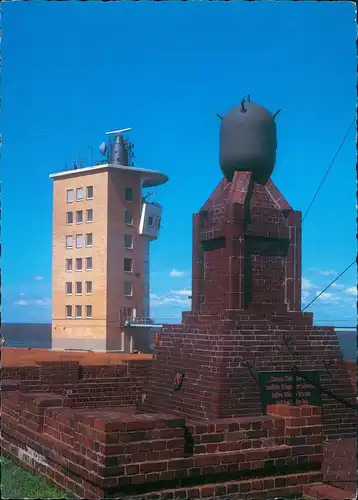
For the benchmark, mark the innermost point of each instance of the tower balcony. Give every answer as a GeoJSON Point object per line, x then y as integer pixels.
{"type": "Point", "coordinates": [128, 318]}
{"type": "Point", "coordinates": [150, 220]}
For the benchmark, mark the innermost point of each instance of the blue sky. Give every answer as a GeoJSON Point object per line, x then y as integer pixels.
{"type": "Point", "coordinates": [73, 70]}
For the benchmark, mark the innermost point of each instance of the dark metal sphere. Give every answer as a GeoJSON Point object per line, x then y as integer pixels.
{"type": "Point", "coordinates": [248, 142]}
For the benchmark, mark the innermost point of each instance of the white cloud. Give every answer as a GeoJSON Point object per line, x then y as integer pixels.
{"type": "Point", "coordinates": [21, 294]}
{"type": "Point", "coordinates": [307, 285]}
{"type": "Point", "coordinates": [37, 302]}
{"type": "Point", "coordinates": [38, 278]}
{"type": "Point", "coordinates": [324, 272]}
{"type": "Point", "coordinates": [337, 286]}
{"type": "Point", "coordinates": [307, 288]}
{"type": "Point", "coordinates": [185, 292]}
{"type": "Point", "coordinates": [329, 297]}
{"type": "Point", "coordinates": [328, 273]}
{"type": "Point", "coordinates": [171, 298]}
{"type": "Point", "coordinates": [337, 297]}
{"type": "Point", "coordinates": [351, 291]}
{"type": "Point", "coordinates": [174, 273]}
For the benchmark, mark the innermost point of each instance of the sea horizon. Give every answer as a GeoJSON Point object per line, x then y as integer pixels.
{"type": "Point", "coordinates": [38, 335]}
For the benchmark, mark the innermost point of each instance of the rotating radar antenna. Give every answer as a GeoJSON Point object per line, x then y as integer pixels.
{"type": "Point", "coordinates": [119, 131]}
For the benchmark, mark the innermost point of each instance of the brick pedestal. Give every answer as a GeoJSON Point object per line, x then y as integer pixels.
{"type": "Point", "coordinates": [121, 454]}
{"type": "Point", "coordinates": [220, 362]}
{"type": "Point", "coordinates": [246, 301]}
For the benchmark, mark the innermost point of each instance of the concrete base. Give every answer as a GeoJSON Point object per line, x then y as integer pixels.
{"type": "Point", "coordinates": [134, 339]}
{"type": "Point", "coordinates": [79, 344]}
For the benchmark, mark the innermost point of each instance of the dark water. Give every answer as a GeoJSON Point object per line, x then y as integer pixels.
{"type": "Point", "coordinates": [27, 334]}
{"type": "Point", "coordinates": [39, 335]}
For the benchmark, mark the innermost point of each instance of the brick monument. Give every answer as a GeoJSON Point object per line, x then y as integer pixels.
{"type": "Point", "coordinates": [246, 306]}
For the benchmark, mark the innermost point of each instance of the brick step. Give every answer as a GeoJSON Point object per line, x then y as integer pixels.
{"type": "Point", "coordinates": [267, 488]}
{"type": "Point", "coordinates": [237, 434]}
{"type": "Point", "coordinates": [54, 428]}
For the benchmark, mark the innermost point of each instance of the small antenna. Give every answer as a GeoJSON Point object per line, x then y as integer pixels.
{"type": "Point", "coordinates": [243, 109]}
{"type": "Point", "coordinates": [219, 116]}
{"type": "Point", "coordinates": [249, 98]}
{"type": "Point", "coordinates": [275, 114]}
{"type": "Point", "coordinates": [91, 149]}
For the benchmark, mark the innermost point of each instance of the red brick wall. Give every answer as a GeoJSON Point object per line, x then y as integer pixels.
{"type": "Point", "coordinates": [138, 454]}
{"type": "Point", "coordinates": [89, 385]}
{"type": "Point", "coordinates": [218, 382]}
{"type": "Point", "coordinates": [351, 368]}
{"type": "Point", "coordinates": [261, 259]}
{"type": "Point", "coordinates": [268, 271]}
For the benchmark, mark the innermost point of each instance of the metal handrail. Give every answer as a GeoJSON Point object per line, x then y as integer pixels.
{"type": "Point", "coordinates": [138, 321]}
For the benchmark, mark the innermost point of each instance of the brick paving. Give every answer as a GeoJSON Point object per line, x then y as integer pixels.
{"type": "Point", "coordinates": [340, 463]}
{"type": "Point", "coordinates": [19, 356]}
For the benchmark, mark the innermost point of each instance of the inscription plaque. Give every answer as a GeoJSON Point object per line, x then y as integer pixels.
{"type": "Point", "coordinates": [289, 388]}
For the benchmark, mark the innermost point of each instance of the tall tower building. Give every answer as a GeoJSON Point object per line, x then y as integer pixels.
{"type": "Point", "coordinates": [102, 227]}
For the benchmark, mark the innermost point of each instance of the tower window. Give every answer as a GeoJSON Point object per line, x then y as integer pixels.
{"type": "Point", "coordinates": [88, 287]}
{"type": "Point", "coordinates": [128, 265]}
{"type": "Point", "coordinates": [69, 241]}
{"type": "Point", "coordinates": [68, 265]}
{"type": "Point", "coordinates": [89, 192]}
{"type": "Point", "coordinates": [69, 195]}
{"type": "Point", "coordinates": [69, 218]}
{"type": "Point", "coordinates": [78, 312]}
{"type": "Point", "coordinates": [79, 217]}
{"type": "Point", "coordinates": [89, 239]}
{"type": "Point", "coordinates": [79, 241]}
{"type": "Point", "coordinates": [88, 311]}
{"type": "Point", "coordinates": [89, 215]}
{"type": "Point", "coordinates": [79, 264]}
{"type": "Point", "coordinates": [68, 312]}
{"type": "Point", "coordinates": [78, 287]}
{"type": "Point", "coordinates": [88, 263]}
{"type": "Point", "coordinates": [128, 241]}
{"type": "Point", "coordinates": [128, 218]}
{"type": "Point", "coordinates": [129, 194]}
{"type": "Point", "coordinates": [128, 289]}
{"type": "Point", "coordinates": [68, 288]}
{"type": "Point", "coordinates": [128, 313]}
{"type": "Point", "coordinates": [150, 221]}
{"type": "Point", "coordinates": [79, 194]}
